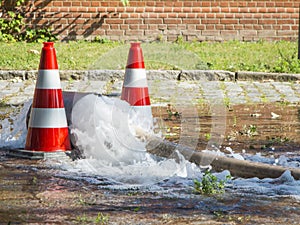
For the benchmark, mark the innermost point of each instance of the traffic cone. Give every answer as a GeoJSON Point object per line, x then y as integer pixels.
{"type": "Point", "coordinates": [47, 127]}
{"type": "Point", "coordinates": [135, 87]}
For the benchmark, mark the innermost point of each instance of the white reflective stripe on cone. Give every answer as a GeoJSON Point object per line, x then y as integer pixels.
{"type": "Point", "coordinates": [48, 118]}
{"type": "Point", "coordinates": [48, 79]}
{"type": "Point", "coordinates": [135, 78]}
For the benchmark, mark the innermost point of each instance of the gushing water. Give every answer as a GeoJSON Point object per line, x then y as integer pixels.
{"type": "Point", "coordinates": [105, 129]}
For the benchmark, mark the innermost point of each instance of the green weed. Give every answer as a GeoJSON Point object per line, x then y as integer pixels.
{"type": "Point", "coordinates": [102, 219]}
{"type": "Point", "coordinates": [210, 185]}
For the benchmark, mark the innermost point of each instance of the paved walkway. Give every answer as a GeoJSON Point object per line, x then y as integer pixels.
{"type": "Point", "coordinates": [17, 91]}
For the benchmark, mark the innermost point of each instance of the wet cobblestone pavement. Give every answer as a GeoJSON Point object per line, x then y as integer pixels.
{"type": "Point", "coordinates": [240, 92]}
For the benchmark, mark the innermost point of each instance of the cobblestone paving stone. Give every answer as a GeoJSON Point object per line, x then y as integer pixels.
{"type": "Point", "coordinates": [162, 91]}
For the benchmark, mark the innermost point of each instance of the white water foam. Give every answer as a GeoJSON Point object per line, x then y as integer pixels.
{"type": "Point", "coordinates": [13, 132]}
{"type": "Point", "coordinates": [104, 129]}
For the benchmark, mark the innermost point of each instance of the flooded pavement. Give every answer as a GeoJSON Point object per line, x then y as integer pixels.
{"type": "Point", "coordinates": [253, 121]}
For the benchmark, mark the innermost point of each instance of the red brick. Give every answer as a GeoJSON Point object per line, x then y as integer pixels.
{"type": "Point", "coordinates": [57, 3]}
{"type": "Point", "coordinates": [286, 21]}
{"type": "Point", "coordinates": [191, 21]}
{"type": "Point", "coordinates": [133, 26]}
{"type": "Point", "coordinates": [124, 15]}
{"type": "Point", "coordinates": [169, 3]}
{"type": "Point", "coordinates": [124, 26]}
{"type": "Point", "coordinates": [67, 4]}
{"type": "Point", "coordinates": [196, 10]}
{"type": "Point", "coordinates": [216, 10]}
{"type": "Point", "coordinates": [95, 3]}
{"type": "Point", "coordinates": [153, 21]}
{"type": "Point", "coordinates": [266, 21]}
{"type": "Point", "coordinates": [220, 15]}
{"type": "Point", "coordinates": [172, 21]}
{"type": "Point", "coordinates": [134, 32]}
{"type": "Point", "coordinates": [115, 32]}
{"type": "Point", "coordinates": [153, 27]}
{"type": "Point", "coordinates": [114, 21]}
{"type": "Point", "coordinates": [225, 10]}
{"type": "Point", "coordinates": [78, 3]}
{"type": "Point", "coordinates": [183, 15]}
{"type": "Point", "coordinates": [229, 21]}
{"type": "Point", "coordinates": [206, 4]}
{"type": "Point", "coordinates": [150, 3]}
{"type": "Point", "coordinates": [73, 9]}
{"type": "Point", "coordinates": [82, 9]}
{"type": "Point", "coordinates": [253, 10]}
{"type": "Point", "coordinates": [291, 10]}
{"type": "Point", "coordinates": [178, 4]}
{"type": "Point", "coordinates": [248, 21]}
{"type": "Point", "coordinates": [252, 4]}
{"type": "Point", "coordinates": [85, 4]}
{"type": "Point", "coordinates": [163, 15]}
{"type": "Point", "coordinates": [143, 26]}
{"type": "Point", "coordinates": [172, 15]}
{"type": "Point", "coordinates": [270, 4]}
{"type": "Point", "coordinates": [210, 21]}
{"type": "Point", "coordinates": [187, 9]}
{"type": "Point", "coordinates": [177, 9]}
{"type": "Point", "coordinates": [91, 9]}
{"type": "Point", "coordinates": [262, 10]}
{"type": "Point", "coordinates": [220, 27]}
{"type": "Point", "coordinates": [133, 15]}
{"type": "Point", "coordinates": [152, 15]}
{"type": "Point", "coordinates": [200, 27]}
{"type": "Point", "coordinates": [133, 21]}
{"type": "Point", "coordinates": [139, 9]}
{"type": "Point", "coordinates": [149, 9]}
{"type": "Point", "coordinates": [187, 4]}
{"type": "Point", "coordinates": [168, 9]}
{"type": "Point", "coordinates": [158, 9]}
{"type": "Point", "coordinates": [129, 9]}
{"type": "Point", "coordinates": [237, 10]}
{"type": "Point", "coordinates": [190, 15]}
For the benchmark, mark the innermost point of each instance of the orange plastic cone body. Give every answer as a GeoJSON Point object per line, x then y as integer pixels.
{"type": "Point", "coordinates": [135, 87]}
{"type": "Point", "coordinates": [47, 127]}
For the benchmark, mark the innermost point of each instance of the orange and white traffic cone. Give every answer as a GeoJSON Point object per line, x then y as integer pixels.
{"type": "Point", "coordinates": [47, 127]}
{"type": "Point", "coordinates": [135, 87]}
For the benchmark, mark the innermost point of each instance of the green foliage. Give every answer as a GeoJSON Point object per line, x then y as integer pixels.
{"type": "Point", "coordinates": [81, 55]}
{"type": "Point", "coordinates": [38, 35]}
{"type": "Point", "coordinates": [13, 27]}
{"type": "Point", "coordinates": [210, 185]}
{"type": "Point", "coordinates": [101, 40]}
{"type": "Point", "coordinates": [288, 62]}
{"type": "Point", "coordinates": [125, 2]}
{"type": "Point", "coordinates": [259, 56]}
{"type": "Point", "coordinates": [102, 219]}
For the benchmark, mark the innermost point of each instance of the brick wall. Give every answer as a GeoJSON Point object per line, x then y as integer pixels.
{"type": "Point", "coordinates": [213, 20]}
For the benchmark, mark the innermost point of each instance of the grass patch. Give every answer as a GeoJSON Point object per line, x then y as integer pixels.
{"type": "Point", "coordinates": [231, 56]}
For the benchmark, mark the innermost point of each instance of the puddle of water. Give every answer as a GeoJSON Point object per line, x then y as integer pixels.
{"type": "Point", "coordinates": [115, 159]}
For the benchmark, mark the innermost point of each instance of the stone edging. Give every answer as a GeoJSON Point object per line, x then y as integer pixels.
{"type": "Point", "coordinates": [185, 75]}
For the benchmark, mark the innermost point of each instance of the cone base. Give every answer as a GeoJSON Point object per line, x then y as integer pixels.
{"type": "Point", "coordinates": [48, 139]}
{"type": "Point", "coordinates": [27, 154]}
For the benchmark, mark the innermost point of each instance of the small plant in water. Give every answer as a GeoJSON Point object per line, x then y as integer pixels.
{"type": "Point", "coordinates": [207, 136]}
{"type": "Point", "coordinates": [210, 184]}
{"type": "Point", "coordinates": [172, 113]}
{"type": "Point", "coordinates": [102, 219]}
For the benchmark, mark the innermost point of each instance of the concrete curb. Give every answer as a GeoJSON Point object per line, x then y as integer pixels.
{"type": "Point", "coordinates": [184, 75]}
